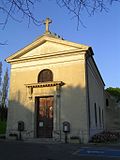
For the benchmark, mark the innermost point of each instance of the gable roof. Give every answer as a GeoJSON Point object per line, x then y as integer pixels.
{"type": "Point", "coordinates": [41, 40]}
{"type": "Point", "coordinates": [74, 47]}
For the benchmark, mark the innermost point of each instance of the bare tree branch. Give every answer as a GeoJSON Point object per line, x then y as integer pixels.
{"type": "Point", "coordinates": [17, 10]}
{"type": "Point", "coordinates": [13, 8]}
{"type": "Point", "coordinates": [20, 9]}
{"type": "Point", "coordinates": [24, 8]}
{"type": "Point", "coordinates": [77, 7]}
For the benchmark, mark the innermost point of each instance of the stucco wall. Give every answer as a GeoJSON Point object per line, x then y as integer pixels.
{"type": "Point", "coordinates": [96, 97]}
{"type": "Point", "coordinates": [69, 69]}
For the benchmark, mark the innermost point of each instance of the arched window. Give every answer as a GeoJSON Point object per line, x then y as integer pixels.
{"type": "Point", "coordinates": [45, 76]}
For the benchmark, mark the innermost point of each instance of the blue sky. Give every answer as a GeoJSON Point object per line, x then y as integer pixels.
{"type": "Point", "coordinates": [102, 33]}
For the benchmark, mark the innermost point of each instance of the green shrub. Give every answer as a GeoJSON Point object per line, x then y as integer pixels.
{"type": "Point", "coordinates": [105, 137]}
{"type": "Point", "coordinates": [2, 127]}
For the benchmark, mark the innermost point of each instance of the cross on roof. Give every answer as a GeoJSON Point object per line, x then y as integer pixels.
{"type": "Point", "coordinates": [47, 22]}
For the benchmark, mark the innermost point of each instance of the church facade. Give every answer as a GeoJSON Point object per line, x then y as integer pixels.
{"type": "Point", "coordinates": [54, 81]}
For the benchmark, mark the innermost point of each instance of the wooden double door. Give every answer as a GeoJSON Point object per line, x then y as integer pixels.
{"type": "Point", "coordinates": [45, 117]}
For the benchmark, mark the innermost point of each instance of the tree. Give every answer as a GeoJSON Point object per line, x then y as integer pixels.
{"type": "Point", "coordinates": [0, 73]}
{"type": "Point", "coordinates": [5, 89]}
{"type": "Point", "coordinates": [0, 78]}
{"type": "Point", "coordinates": [18, 9]}
{"type": "Point", "coordinates": [115, 92]}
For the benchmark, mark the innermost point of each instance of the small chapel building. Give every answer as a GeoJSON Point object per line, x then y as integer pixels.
{"type": "Point", "coordinates": [54, 81]}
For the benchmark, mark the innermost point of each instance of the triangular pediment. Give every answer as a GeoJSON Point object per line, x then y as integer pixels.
{"type": "Point", "coordinates": [48, 48]}
{"type": "Point", "coordinates": [45, 45]}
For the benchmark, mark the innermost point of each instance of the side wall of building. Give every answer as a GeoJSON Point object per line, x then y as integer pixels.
{"type": "Point", "coordinates": [96, 98]}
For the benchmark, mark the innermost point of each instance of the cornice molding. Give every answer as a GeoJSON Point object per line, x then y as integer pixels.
{"type": "Point", "coordinates": [30, 87]}
{"type": "Point", "coordinates": [49, 55]}
{"type": "Point", "coordinates": [42, 40]}
{"type": "Point", "coordinates": [45, 84]}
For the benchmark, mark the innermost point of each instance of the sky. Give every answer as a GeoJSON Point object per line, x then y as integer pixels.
{"type": "Point", "coordinates": [101, 32]}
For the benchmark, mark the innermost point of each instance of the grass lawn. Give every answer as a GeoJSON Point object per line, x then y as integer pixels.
{"type": "Point", "coordinates": [2, 127]}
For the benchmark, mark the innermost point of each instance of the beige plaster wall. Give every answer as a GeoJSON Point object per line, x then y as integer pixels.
{"type": "Point", "coordinates": [96, 95]}
{"type": "Point", "coordinates": [46, 48]}
{"type": "Point", "coordinates": [69, 69]}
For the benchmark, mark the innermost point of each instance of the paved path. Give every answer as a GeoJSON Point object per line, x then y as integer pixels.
{"type": "Point", "coordinates": [16, 150]}
{"type": "Point", "coordinates": [99, 152]}
{"type": "Point", "coordinates": [35, 151]}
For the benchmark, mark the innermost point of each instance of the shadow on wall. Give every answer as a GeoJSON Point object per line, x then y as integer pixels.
{"type": "Point", "coordinates": [18, 111]}
{"type": "Point", "coordinates": [73, 101]}
{"type": "Point", "coordinates": [72, 109]}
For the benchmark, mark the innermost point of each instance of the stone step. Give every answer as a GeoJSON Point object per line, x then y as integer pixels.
{"type": "Point", "coordinates": [42, 140]}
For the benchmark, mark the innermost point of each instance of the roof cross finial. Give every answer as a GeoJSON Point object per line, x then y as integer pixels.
{"type": "Point", "coordinates": [47, 22]}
